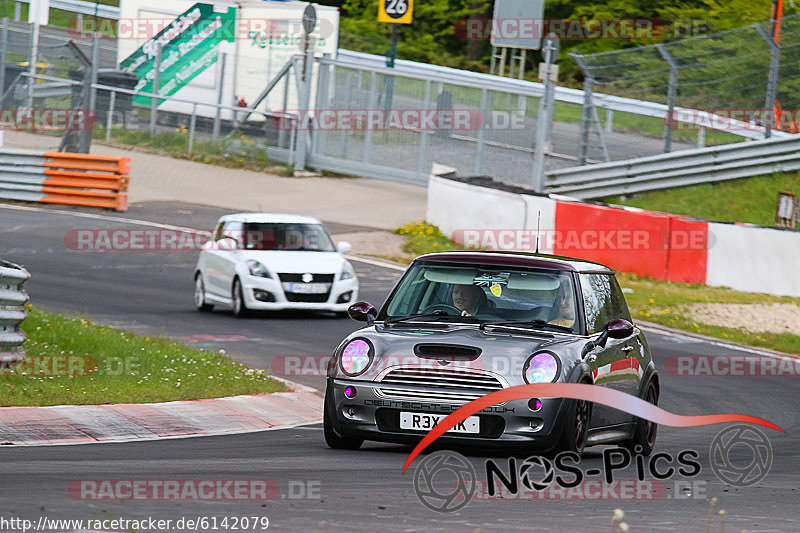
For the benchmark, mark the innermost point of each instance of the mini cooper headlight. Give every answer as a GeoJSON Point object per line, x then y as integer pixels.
{"type": "Point", "coordinates": [541, 367]}
{"type": "Point", "coordinates": [257, 269]}
{"type": "Point", "coordinates": [356, 357]}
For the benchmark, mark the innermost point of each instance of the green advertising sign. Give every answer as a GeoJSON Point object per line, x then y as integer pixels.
{"type": "Point", "coordinates": [188, 47]}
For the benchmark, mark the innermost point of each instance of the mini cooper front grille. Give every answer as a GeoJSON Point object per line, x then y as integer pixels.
{"type": "Point", "coordinates": [450, 385]}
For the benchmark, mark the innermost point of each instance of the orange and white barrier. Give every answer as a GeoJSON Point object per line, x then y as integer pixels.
{"type": "Point", "coordinates": [64, 178]}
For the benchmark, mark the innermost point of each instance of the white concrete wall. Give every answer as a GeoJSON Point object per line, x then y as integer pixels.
{"type": "Point", "coordinates": [754, 259]}
{"type": "Point", "coordinates": [454, 205]}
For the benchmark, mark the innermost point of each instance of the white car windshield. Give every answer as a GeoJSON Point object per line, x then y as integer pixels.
{"type": "Point", "coordinates": [286, 237]}
{"type": "Point", "coordinates": [487, 294]}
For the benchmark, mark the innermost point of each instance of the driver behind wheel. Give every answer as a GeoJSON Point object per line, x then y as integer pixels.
{"type": "Point", "coordinates": [563, 311]}
{"type": "Point", "coordinates": [470, 300]}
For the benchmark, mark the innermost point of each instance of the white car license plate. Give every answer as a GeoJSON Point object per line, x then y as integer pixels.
{"type": "Point", "coordinates": [425, 422]}
{"type": "Point", "coordinates": [306, 288]}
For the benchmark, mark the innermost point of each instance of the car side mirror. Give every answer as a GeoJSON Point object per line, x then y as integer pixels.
{"type": "Point", "coordinates": [344, 247]}
{"type": "Point", "coordinates": [363, 312]}
{"type": "Point", "coordinates": [615, 329]}
{"type": "Point", "coordinates": [619, 329]}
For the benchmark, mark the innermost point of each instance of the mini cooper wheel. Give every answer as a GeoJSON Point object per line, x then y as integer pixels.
{"type": "Point", "coordinates": [576, 427]}
{"type": "Point", "coordinates": [239, 307]}
{"type": "Point", "coordinates": [644, 436]}
{"type": "Point", "coordinates": [333, 438]}
{"type": "Point", "coordinates": [200, 294]}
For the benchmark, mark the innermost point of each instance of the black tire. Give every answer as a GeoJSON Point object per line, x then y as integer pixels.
{"type": "Point", "coordinates": [240, 309]}
{"type": "Point", "coordinates": [333, 437]}
{"type": "Point", "coordinates": [644, 436]}
{"type": "Point", "coordinates": [576, 427]}
{"type": "Point", "coordinates": [200, 295]}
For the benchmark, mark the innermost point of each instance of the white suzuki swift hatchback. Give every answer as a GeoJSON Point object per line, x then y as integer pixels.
{"type": "Point", "coordinates": [263, 261]}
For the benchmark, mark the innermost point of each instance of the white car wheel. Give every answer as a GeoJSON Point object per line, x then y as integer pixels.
{"type": "Point", "coordinates": [200, 294]}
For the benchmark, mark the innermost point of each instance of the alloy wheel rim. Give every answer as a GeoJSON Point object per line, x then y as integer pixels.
{"type": "Point", "coordinates": [581, 423]}
{"type": "Point", "coordinates": [198, 292]}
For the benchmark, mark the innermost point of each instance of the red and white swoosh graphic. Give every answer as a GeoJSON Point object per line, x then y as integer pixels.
{"type": "Point", "coordinates": [578, 391]}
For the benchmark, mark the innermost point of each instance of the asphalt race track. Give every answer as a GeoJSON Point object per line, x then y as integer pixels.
{"type": "Point", "coordinates": [323, 489]}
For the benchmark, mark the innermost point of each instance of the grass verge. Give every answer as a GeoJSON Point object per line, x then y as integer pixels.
{"type": "Point", "coordinates": [751, 200]}
{"type": "Point", "coordinates": [662, 302]}
{"type": "Point", "coordinates": [112, 366]}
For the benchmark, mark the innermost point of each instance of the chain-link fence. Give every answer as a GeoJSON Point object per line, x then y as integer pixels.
{"type": "Point", "coordinates": [748, 76]}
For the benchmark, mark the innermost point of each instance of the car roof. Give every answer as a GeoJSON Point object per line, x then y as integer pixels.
{"type": "Point", "coordinates": [522, 259]}
{"type": "Point", "coordinates": [274, 218]}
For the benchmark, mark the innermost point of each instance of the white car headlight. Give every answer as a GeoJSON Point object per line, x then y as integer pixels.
{"type": "Point", "coordinates": [347, 271]}
{"type": "Point", "coordinates": [257, 269]}
{"type": "Point", "coordinates": [356, 357]}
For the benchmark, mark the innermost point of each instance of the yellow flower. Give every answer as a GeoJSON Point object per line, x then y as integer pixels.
{"type": "Point", "coordinates": [652, 301]}
{"type": "Point", "coordinates": [38, 328]}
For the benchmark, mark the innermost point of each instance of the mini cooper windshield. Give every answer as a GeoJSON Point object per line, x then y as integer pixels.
{"type": "Point", "coordinates": [519, 297]}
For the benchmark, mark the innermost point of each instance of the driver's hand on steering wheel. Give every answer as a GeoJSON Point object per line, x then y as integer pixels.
{"type": "Point", "coordinates": [464, 313]}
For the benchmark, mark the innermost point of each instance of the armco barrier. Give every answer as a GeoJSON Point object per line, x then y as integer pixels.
{"type": "Point", "coordinates": [64, 178]}
{"type": "Point", "coordinates": [742, 257]}
{"type": "Point", "coordinates": [12, 311]}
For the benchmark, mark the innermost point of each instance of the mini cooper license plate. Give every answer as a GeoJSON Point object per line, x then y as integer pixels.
{"type": "Point", "coordinates": [306, 288]}
{"type": "Point", "coordinates": [425, 422]}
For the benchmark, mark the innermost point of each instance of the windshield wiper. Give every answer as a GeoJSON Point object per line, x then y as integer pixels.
{"type": "Point", "coordinates": [533, 323]}
{"type": "Point", "coordinates": [436, 314]}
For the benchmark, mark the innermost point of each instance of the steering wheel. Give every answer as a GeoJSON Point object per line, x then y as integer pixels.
{"type": "Point", "coordinates": [442, 307]}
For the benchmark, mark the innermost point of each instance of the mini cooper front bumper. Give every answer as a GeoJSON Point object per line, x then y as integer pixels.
{"type": "Point", "coordinates": [372, 414]}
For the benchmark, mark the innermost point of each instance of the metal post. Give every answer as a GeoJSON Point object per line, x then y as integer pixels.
{"type": "Point", "coordinates": [304, 132]}
{"type": "Point", "coordinates": [478, 167]}
{"type": "Point", "coordinates": [321, 104]}
{"type": "Point", "coordinates": [672, 91]}
{"type": "Point", "coordinates": [502, 68]}
{"type": "Point", "coordinates": [609, 120]}
{"type": "Point", "coordinates": [348, 105]}
{"type": "Point", "coordinates": [372, 101]}
{"type": "Point", "coordinates": [3, 49]}
{"type": "Point", "coordinates": [772, 80]}
{"type": "Point", "coordinates": [701, 137]}
{"type": "Point", "coordinates": [284, 122]}
{"type": "Point", "coordinates": [17, 11]}
{"type": "Point", "coordinates": [192, 124]}
{"type": "Point", "coordinates": [93, 72]}
{"type": "Point", "coordinates": [221, 87]}
{"type": "Point", "coordinates": [586, 117]}
{"type": "Point", "coordinates": [34, 60]}
{"type": "Point", "coordinates": [110, 117]}
{"type": "Point", "coordinates": [424, 143]}
{"type": "Point", "coordinates": [522, 63]}
{"type": "Point", "coordinates": [550, 51]}
{"type": "Point", "coordinates": [156, 86]}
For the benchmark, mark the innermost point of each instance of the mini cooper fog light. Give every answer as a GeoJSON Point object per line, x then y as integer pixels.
{"type": "Point", "coordinates": [534, 404]}
{"type": "Point", "coordinates": [356, 357]}
{"type": "Point", "coordinates": [541, 367]}
{"type": "Point", "coordinates": [351, 413]}
{"type": "Point", "coordinates": [350, 392]}
{"type": "Point", "coordinates": [536, 424]}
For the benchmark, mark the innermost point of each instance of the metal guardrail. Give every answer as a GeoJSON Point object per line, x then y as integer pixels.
{"type": "Point", "coordinates": [12, 311]}
{"type": "Point", "coordinates": [83, 7]}
{"type": "Point", "coordinates": [689, 167]}
{"type": "Point", "coordinates": [562, 94]}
